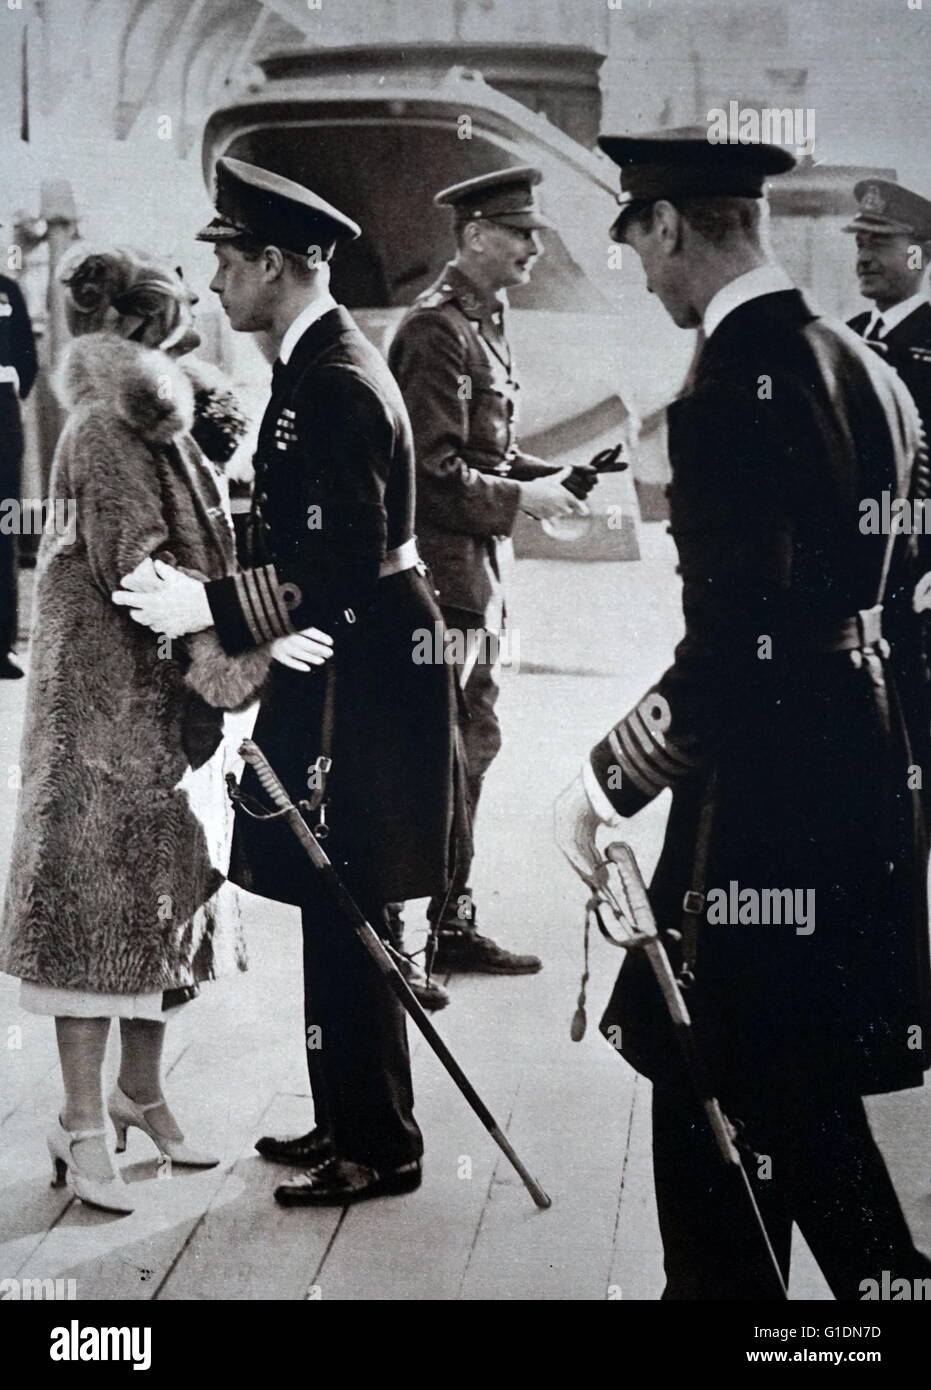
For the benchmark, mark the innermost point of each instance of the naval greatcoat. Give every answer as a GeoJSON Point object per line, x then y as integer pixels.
{"type": "Point", "coordinates": [333, 501]}
{"type": "Point", "coordinates": [907, 348]}
{"type": "Point", "coordinates": [778, 726]}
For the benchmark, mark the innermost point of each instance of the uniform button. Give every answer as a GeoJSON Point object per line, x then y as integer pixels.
{"type": "Point", "coordinates": [890, 867]}
{"type": "Point", "coordinates": [263, 499]}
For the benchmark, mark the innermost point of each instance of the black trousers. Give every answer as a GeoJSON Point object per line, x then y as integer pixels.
{"type": "Point", "coordinates": [8, 595]}
{"type": "Point", "coordinates": [11, 448]}
{"type": "Point", "coordinates": [827, 1175]}
{"type": "Point", "coordinates": [356, 1038]}
{"type": "Point", "coordinates": [481, 737]}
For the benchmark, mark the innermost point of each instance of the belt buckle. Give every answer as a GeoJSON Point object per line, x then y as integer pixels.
{"type": "Point", "coordinates": [693, 903]}
{"type": "Point", "coordinates": [869, 626]}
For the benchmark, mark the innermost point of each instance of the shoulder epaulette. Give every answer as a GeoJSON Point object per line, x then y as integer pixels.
{"type": "Point", "coordinates": [433, 298]}
{"type": "Point", "coordinates": [461, 298]}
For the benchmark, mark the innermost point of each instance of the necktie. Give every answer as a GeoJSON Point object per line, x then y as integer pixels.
{"type": "Point", "coordinates": [875, 333]}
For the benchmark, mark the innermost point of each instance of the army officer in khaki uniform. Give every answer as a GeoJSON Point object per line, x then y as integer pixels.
{"type": "Point", "coordinates": [454, 364]}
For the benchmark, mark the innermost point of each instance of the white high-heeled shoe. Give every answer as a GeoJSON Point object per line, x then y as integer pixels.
{"type": "Point", "coordinates": [125, 1112]}
{"type": "Point", "coordinates": [110, 1194]}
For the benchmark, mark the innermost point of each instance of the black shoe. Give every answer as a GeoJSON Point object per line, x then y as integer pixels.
{"type": "Point", "coordinates": [303, 1151]}
{"type": "Point", "coordinates": [9, 671]}
{"type": "Point", "coordinates": [429, 995]}
{"type": "Point", "coordinates": [337, 1182]}
{"type": "Point", "coordinates": [468, 952]}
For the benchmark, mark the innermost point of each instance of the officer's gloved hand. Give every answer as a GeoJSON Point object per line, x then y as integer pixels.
{"type": "Point", "coordinates": [526, 468]}
{"type": "Point", "coordinates": [583, 477]}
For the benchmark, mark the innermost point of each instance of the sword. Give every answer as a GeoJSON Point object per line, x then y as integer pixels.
{"type": "Point", "coordinates": [623, 894]}
{"type": "Point", "coordinates": [253, 755]}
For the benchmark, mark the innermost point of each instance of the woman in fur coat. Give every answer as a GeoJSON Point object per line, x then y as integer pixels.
{"type": "Point", "coordinates": [116, 904]}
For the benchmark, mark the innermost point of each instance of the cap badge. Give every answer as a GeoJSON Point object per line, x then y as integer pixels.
{"type": "Point", "coordinates": [873, 200]}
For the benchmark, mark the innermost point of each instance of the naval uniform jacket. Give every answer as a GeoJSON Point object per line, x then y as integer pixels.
{"type": "Point", "coordinates": [454, 365]}
{"type": "Point", "coordinates": [907, 348]}
{"type": "Point", "coordinates": [790, 741]}
{"type": "Point", "coordinates": [17, 352]}
{"type": "Point", "coordinates": [334, 494]}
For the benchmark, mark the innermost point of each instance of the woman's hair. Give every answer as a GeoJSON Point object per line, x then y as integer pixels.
{"type": "Point", "coordinates": [123, 291]}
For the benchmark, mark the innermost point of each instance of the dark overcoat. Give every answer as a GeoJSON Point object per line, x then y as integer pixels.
{"type": "Point", "coordinates": [17, 353]}
{"type": "Point", "coordinates": [799, 752]}
{"type": "Point", "coordinates": [334, 492]}
{"type": "Point", "coordinates": [907, 348]}
{"type": "Point", "coordinates": [18, 366]}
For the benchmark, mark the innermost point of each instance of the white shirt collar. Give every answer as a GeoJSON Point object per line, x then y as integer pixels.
{"type": "Point", "coordinates": [299, 327]}
{"type": "Point", "coordinates": [893, 317]}
{"type": "Point", "coordinates": [766, 279]}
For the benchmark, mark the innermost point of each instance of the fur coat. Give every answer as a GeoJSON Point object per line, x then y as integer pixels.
{"type": "Point", "coordinates": [121, 844]}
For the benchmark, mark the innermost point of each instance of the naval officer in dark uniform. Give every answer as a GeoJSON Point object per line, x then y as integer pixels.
{"type": "Point", "coordinates": [332, 556]}
{"type": "Point", "coordinates": [779, 731]}
{"type": "Point", "coordinates": [892, 227]}
{"type": "Point", "coordinates": [454, 364]}
{"type": "Point", "coordinates": [18, 367]}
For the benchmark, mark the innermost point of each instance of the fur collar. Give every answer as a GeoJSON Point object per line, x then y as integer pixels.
{"type": "Point", "coordinates": [147, 389]}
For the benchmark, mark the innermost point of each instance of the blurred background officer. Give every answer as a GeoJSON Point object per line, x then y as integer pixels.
{"type": "Point", "coordinates": [779, 730]}
{"type": "Point", "coordinates": [18, 367]}
{"type": "Point", "coordinates": [892, 228]}
{"type": "Point", "coordinates": [454, 364]}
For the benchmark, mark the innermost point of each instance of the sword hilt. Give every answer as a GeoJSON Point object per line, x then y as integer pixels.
{"type": "Point", "coordinates": [623, 858]}
{"type": "Point", "coordinates": [251, 753]}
